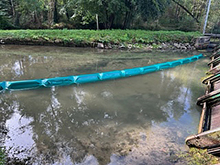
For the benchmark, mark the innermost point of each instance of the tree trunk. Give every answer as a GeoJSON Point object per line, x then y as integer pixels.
{"type": "Point", "coordinates": [125, 21]}
{"type": "Point", "coordinates": [14, 12]}
{"type": "Point", "coordinates": [128, 15]}
{"type": "Point", "coordinates": [128, 20]}
{"type": "Point", "coordinates": [177, 13]}
{"type": "Point", "coordinates": [12, 7]}
{"type": "Point", "coordinates": [37, 20]}
{"type": "Point", "coordinates": [51, 12]}
{"type": "Point", "coordinates": [67, 15]}
{"type": "Point", "coordinates": [111, 20]}
{"type": "Point", "coordinates": [17, 19]}
{"type": "Point", "coordinates": [106, 17]}
{"type": "Point", "coordinates": [56, 19]}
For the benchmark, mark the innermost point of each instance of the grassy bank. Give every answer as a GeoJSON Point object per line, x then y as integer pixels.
{"type": "Point", "coordinates": [91, 38]}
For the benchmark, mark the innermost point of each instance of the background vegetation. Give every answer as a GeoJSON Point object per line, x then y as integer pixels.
{"type": "Point", "coordinates": [185, 15]}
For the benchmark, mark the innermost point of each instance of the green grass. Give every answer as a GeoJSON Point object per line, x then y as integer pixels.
{"type": "Point", "coordinates": [89, 37]}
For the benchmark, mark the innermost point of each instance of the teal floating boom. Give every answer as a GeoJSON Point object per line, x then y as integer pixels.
{"type": "Point", "coordinates": [88, 78]}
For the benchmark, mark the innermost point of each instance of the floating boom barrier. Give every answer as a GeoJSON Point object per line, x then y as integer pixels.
{"type": "Point", "coordinates": [89, 78]}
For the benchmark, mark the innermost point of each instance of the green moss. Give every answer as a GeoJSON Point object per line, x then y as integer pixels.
{"type": "Point", "coordinates": [215, 135]}
{"type": "Point", "coordinates": [2, 157]}
{"type": "Point", "coordinates": [198, 156]}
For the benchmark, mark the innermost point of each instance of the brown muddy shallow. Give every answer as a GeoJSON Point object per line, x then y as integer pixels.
{"type": "Point", "coordinates": [138, 120]}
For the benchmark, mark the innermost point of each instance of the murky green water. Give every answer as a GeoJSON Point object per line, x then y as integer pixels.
{"type": "Point", "coordinates": [138, 120]}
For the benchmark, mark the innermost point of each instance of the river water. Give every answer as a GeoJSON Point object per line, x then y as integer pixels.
{"type": "Point", "coordinates": [138, 120]}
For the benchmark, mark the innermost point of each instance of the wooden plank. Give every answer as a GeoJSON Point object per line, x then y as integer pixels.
{"type": "Point", "coordinates": [209, 98]}
{"type": "Point", "coordinates": [214, 150]}
{"type": "Point", "coordinates": [205, 139]}
{"type": "Point", "coordinates": [212, 78]}
{"type": "Point", "coordinates": [215, 54]}
{"type": "Point", "coordinates": [215, 116]}
{"type": "Point", "coordinates": [212, 35]}
{"type": "Point", "coordinates": [214, 62]}
{"type": "Point", "coordinates": [214, 70]}
{"type": "Point", "coordinates": [216, 85]}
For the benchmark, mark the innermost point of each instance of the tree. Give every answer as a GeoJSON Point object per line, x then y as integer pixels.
{"type": "Point", "coordinates": [123, 14]}
{"type": "Point", "coordinates": [4, 17]}
{"type": "Point", "coordinates": [152, 8]}
{"type": "Point", "coordinates": [52, 12]}
{"type": "Point", "coordinates": [213, 25]}
{"type": "Point", "coordinates": [186, 15]}
{"type": "Point", "coordinates": [185, 9]}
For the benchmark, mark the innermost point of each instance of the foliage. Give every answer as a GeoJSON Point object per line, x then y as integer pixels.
{"type": "Point", "coordinates": [216, 28]}
{"type": "Point", "coordinates": [4, 24]}
{"type": "Point", "coordinates": [198, 156]}
{"type": "Point", "coordinates": [81, 13]}
{"type": "Point", "coordinates": [214, 18]}
{"type": "Point", "coordinates": [177, 18]}
{"type": "Point", "coordinates": [186, 15]}
{"type": "Point", "coordinates": [117, 13]}
{"type": "Point", "coordinates": [156, 8]}
{"type": "Point", "coordinates": [89, 37]}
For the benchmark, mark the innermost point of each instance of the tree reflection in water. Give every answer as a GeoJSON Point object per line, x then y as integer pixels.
{"type": "Point", "coordinates": [136, 119]}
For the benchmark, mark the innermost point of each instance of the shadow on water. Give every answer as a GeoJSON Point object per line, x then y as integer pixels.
{"type": "Point", "coordinates": [137, 120]}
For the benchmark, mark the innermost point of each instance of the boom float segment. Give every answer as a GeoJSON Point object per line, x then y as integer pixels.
{"type": "Point", "coordinates": [89, 78]}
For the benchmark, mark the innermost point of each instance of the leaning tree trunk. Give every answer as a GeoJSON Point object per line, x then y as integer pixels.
{"type": "Point", "coordinates": [186, 10]}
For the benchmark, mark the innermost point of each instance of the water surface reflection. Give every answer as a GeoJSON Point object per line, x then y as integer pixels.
{"type": "Point", "coordinates": [137, 120]}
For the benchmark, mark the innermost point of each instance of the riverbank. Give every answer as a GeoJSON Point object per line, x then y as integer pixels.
{"type": "Point", "coordinates": [104, 39]}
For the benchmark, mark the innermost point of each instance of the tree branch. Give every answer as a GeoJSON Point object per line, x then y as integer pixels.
{"type": "Point", "coordinates": [186, 10]}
